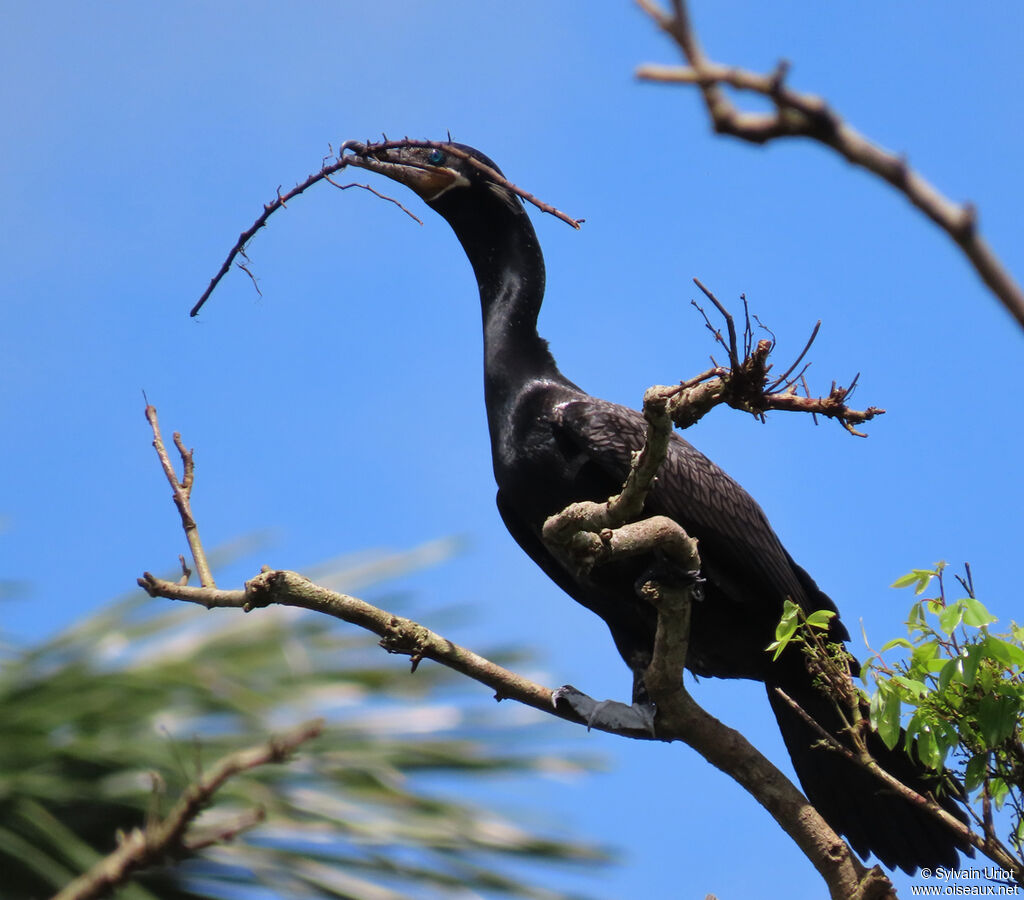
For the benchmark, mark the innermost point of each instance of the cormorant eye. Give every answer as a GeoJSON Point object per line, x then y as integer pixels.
{"type": "Point", "coordinates": [436, 157]}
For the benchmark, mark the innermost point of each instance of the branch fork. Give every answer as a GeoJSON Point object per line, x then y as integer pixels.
{"type": "Point", "coordinates": [679, 717]}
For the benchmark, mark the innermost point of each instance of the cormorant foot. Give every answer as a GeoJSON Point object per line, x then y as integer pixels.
{"type": "Point", "coordinates": [608, 715]}
{"type": "Point", "coordinates": [667, 574]}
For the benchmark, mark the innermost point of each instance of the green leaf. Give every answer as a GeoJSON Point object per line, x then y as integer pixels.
{"type": "Point", "coordinates": [915, 689]}
{"type": "Point", "coordinates": [997, 718]}
{"type": "Point", "coordinates": [974, 655]}
{"type": "Point", "coordinates": [897, 642]}
{"type": "Point", "coordinates": [926, 658]}
{"type": "Point", "coordinates": [952, 670]}
{"type": "Point", "coordinates": [905, 580]}
{"type": "Point", "coordinates": [786, 629]}
{"type": "Point", "coordinates": [929, 752]}
{"type": "Point", "coordinates": [885, 715]}
{"type": "Point", "coordinates": [999, 791]}
{"type": "Point", "coordinates": [975, 613]}
{"type": "Point", "coordinates": [976, 770]}
{"type": "Point", "coordinates": [820, 619]}
{"type": "Point", "coordinates": [1004, 652]}
{"type": "Point", "coordinates": [920, 578]}
{"type": "Point", "coordinates": [950, 617]}
{"type": "Point", "coordinates": [946, 736]}
{"type": "Point", "coordinates": [916, 621]}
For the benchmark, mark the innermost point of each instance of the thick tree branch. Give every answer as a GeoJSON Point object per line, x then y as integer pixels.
{"type": "Point", "coordinates": [808, 116]}
{"type": "Point", "coordinates": [172, 836]}
{"type": "Point", "coordinates": [593, 533]}
{"type": "Point", "coordinates": [397, 633]}
{"type": "Point", "coordinates": [729, 751]}
{"type": "Point", "coordinates": [590, 534]}
{"type": "Point", "coordinates": [679, 717]}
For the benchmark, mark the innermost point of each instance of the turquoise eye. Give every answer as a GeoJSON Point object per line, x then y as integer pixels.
{"type": "Point", "coordinates": [435, 157]}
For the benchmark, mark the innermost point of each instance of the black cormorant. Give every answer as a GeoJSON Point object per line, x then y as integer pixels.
{"type": "Point", "coordinates": [553, 444]}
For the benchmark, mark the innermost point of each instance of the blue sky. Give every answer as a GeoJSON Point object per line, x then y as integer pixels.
{"type": "Point", "coordinates": [343, 409]}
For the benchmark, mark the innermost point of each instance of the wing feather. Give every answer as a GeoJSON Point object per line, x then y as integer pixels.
{"type": "Point", "coordinates": [739, 549]}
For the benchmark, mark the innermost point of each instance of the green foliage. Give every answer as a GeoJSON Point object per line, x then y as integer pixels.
{"type": "Point", "coordinates": [111, 718]}
{"type": "Point", "coordinates": [959, 689]}
{"type": "Point", "coordinates": [795, 627]}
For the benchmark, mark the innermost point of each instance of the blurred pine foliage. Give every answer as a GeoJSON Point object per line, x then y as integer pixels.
{"type": "Point", "coordinates": [112, 717]}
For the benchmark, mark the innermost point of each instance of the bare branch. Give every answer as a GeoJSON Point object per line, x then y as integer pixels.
{"type": "Point", "coordinates": [589, 533]}
{"type": "Point", "coordinates": [268, 208]}
{"type": "Point", "coordinates": [350, 153]}
{"type": "Point", "coordinates": [679, 717]}
{"type": "Point", "coordinates": [182, 491]}
{"type": "Point", "coordinates": [592, 534]}
{"type": "Point", "coordinates": [170, 837]}
{"type": "Point", "coordinates": [808, 116]}
{"type": "Point", "coordinates": [376, 193]}
{"type": "Point", "coordinates": [744, 384]}
{"type": "Point", "coordinates": [681, 720]}
{"type": "Point", "coordinates": [361, 150]}
{"type": "Point", "coordinates": [782, 378]}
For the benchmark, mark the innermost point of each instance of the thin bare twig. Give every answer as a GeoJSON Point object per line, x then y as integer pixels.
{"type": "Point", "coordinates": [805, 115]}
{"type": "Point", "coordinates": [734, 360]}
{"type": "Point", "coordinates": [170, 837]}
{"type": "Point", "coordinates": [376, 193]}
{"type": "Point", "coordinates": [743, 385]}
{"type": "Point", "coordinates": [782, 378]}
{"type": "Point", "coordinates": [350, 153]}
{"type": "Point", "coordinates": [182, 492]}
{"type": "Point", "coordinates": [368, 150]}
{"type": "Point", "coordinates": [268, 208]}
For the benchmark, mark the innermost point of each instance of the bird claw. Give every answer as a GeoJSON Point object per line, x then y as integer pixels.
{"type": "Point", "coordinates": [607, 715]}
{"type": "Point", "coordinates": [663, 574]}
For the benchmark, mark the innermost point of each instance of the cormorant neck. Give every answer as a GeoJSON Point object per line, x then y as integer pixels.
{"type": "Point", "coordinates": [498, 237]}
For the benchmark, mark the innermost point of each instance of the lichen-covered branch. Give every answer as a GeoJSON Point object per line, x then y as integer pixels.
{"type": "Point", "coordinates": [728, 750]}
{"type": "Point", "coordinates": [805, 115]}
{"type": "Point", "coordinates": [397, 633]}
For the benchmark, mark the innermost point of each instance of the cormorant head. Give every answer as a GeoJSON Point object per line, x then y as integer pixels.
{"type": "Point", "coordinates": [469, 191]}
{"type": "Point", "coordinates": [430, 171]}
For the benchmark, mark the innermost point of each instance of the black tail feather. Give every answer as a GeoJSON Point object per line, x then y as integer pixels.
{"type": "Point", "coordinates": [855, 803]}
